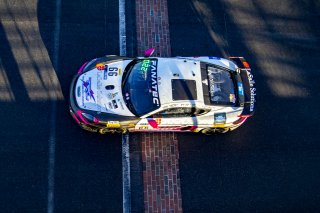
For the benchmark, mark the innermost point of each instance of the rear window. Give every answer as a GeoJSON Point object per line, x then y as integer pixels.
{"type": "Point", "coordinates": [220, 86]}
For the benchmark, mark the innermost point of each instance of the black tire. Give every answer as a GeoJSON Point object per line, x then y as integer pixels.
{"type": "Point", "coordinates": [210, 131]}
{"type": "Point", "coordinates": [88, 128]}
{"type": "Point", "coordinates": [119, 130]}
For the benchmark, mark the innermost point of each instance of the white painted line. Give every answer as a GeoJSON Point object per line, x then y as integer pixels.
{"type": "Point", "coordinates": [52, 137]}
{"type": "Point", "coordinates": [126, 182]}
{"type": "Point", "coordinates": [122, 28]}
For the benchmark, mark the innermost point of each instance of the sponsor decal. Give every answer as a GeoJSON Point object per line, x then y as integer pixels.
{"type": "Point", "coordinates": [212, 57]}
{"type": "Point", "coordinates": [113, 124]}
{"type": "Point", "coordinates": [130, 125]}
{"type": "Point", "coordinates": [110, 105]}
{"type": "Point", "coordinates": [100, 66]}
{"type": "Point", "coordinates": [121, 105]}
{"type": "Point", "coordinates": [219, 125]}
{"type": "Point", "coordinates": [150, 66]}
{"type": "Point", "coordinates": [114, 103]}
{"type": "Point", "coordinates": [86, 86]}
{"type": "Point", "coordinates": [78, 91]}
{"type": "Point", "coordinates": [113, 71]}
{"type": "Point", "coordinates": [119, 71]}
{"type": "Point", "coordinates": [252, 99]}
{"type": "Point", "coordinates": [158, 120]}
{"type": "Point", "coordinates": [232, 98]}
{"type": "Point", "coordinates": [252, 91]}
{"type": "Point", "coordinates": [250, 77]}
{"type": "Point", "coordinates": [105, 72]}
{"type": "Point", "coordinates": [112, 95]}
{"type": "Point", "coordinates": [240, 88]}
{"type": "Point", "coordinates": [154, 84]}
{"type": "Point", "coordinates": [154, 123]}
{"type": "Point", "coordinates": [143, 127]}
{"type": "Point", "coordinates": [145, 65]}
{"type": "Point", "coordinates": [220, 118]}
{"type": "Point", "coordinates": [99, 92]}
{"type": "Point", "coordinates": [105, 106]}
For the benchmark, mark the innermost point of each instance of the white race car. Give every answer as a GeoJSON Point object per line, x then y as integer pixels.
{"type": "Point", "coordinates": [196, 94]}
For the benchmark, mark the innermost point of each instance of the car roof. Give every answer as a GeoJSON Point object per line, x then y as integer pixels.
{"type": "Point", "coordinates": [184, 73]}
{"type": "Point", "coordinates": [173, 69]}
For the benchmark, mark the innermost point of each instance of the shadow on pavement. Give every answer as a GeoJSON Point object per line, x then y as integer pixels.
{"type": "Point", "coordinates": [88, 166]}
{"type": "Point", "coordinates": [271, 162]}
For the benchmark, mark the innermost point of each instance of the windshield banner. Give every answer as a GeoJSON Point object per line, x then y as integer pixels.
{"type": "Point", "coordinates": [150, 66]}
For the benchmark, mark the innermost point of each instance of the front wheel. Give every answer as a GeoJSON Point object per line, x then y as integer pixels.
{"type": "Point", "coordinates": [210, 131]}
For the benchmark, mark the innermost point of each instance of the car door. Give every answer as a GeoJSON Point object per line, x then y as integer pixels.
{"type": "Point", "coordinates": [173, 119]}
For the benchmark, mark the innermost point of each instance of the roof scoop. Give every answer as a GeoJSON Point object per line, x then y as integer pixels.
{"type": "Point", "coordinates": [148, 52]}
{"type": "Point", "coordinates": [109, 87]}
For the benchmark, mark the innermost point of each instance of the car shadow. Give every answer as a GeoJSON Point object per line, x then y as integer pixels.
{"type": "Point", "coordinates": [269, 163]}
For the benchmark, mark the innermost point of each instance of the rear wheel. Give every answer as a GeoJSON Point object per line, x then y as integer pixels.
{"type": "Point", "coordinates": [210, 131]}
{"type": "Point", "coordinates": [117, 130]}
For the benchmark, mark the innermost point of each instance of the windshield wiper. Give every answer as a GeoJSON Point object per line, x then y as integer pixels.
{"type": "Point", "coordinates": [128, 102]}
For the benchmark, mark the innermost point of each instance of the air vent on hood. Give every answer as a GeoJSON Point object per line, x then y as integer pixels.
{"type": "Point", "coordinates": [184, 89]}
{"type": "Point", "coordinates": [109, 87]}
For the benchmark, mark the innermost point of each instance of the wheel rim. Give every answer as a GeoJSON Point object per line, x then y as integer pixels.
{"type": "Point", "coordinates": [210, 131]}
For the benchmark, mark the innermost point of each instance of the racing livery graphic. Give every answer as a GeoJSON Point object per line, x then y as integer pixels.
{"type": "Point", "coordinates": [192, 94]}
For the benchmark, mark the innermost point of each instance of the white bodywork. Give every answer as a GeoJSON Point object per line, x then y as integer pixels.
{"type": "Point", "coordinates": [91, 94]}
{"type": "Point", "coordinates": [186, 68]}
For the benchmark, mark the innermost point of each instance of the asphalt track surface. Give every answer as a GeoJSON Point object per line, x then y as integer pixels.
{"type": "Point", "coordinates": [271, 164]}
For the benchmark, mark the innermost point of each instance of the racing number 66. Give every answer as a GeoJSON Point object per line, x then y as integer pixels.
{"type": "Point", "coordinates": [113, 71]}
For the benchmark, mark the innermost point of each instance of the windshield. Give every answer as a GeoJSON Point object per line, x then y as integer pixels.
{"type": "Point", "coordinates": [221, 86]}
{"type": "Point", "coordinates": [140, 86]}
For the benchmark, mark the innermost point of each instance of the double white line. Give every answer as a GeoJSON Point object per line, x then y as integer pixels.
{"type": "Point", "coordinates": [126, 183]}
{"type": "Point", "coordinates": [52, 137]}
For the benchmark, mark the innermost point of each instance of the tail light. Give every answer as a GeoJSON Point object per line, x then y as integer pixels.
{"type": "Point", "coordinates": [241, 62]}
{"type": "Point", "coordinates": [246, 64]}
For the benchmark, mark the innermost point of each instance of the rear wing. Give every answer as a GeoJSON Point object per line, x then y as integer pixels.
{"type": "Point", "coordinates": [246, 88]}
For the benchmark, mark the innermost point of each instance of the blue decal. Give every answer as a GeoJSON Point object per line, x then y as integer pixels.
{"type": "Point", "coordinates": [88, 91]}
{"type": "Point", "coordinates": [220, 118]}
{"type": "Point", "coordinates": [79, 91]}
{"type": "Point", "coordinates": [105, 72]}
{"type": "Point", "coordinates": [212, 57]}
{"type": "Point", "coordinates": [240, 88]}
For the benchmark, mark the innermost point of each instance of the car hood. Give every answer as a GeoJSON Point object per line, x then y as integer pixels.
{"type": "Point", "coordinates": [100, 90]}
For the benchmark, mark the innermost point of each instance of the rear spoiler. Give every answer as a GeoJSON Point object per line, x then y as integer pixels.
{"type": "Point", "coordinates": [248, 83]}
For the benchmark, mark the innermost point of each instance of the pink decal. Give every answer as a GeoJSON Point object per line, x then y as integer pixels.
{"type": "Point", "coordinates": [95, 120]}
{"type": "Point", "coordinates": [193, 128]}
{"type": "Point", "coordinates": [153, 123]}
{"type": "Point", "coordinates": [79, 113]}
{"type": "Point", "coordinates": [81, 68]}
{"type": "Point", "coordinates": [148, 52]}
{"type": "Point", "coordinates": [88, 90]}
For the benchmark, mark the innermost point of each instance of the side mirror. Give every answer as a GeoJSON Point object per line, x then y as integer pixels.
{"type": "Point", "coordinates": [148, 52]}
